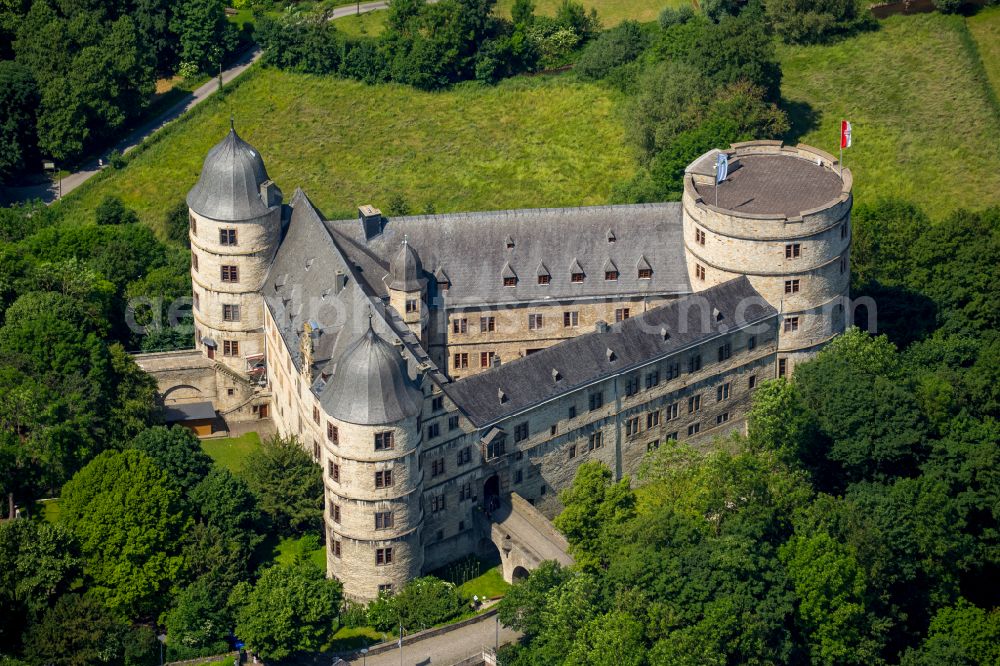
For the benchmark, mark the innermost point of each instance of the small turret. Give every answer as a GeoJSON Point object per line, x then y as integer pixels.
{"type": "Point", "coordinates": [406, 288]}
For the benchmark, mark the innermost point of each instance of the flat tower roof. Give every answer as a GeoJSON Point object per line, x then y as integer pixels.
{"type": "Point", "coordinates": [774, 185]}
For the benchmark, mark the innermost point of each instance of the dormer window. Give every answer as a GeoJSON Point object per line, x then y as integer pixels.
{"type": "Point", "coordinates": [576, 277]}
{"type": "Point", "coordinates": [611, 275]}
{"type": "Point", "coordinates": [645, 273]}
{"type": "Point", "coordinates": [611, 236]}
{"type": "Point", "coordinates": [544, 279]}
{"type": "Point", "coordinates": [509, 276]}
{"type": "Point", "coordinates": [510, 282]}
{"type": "Point", "coordinates": [509, 242]}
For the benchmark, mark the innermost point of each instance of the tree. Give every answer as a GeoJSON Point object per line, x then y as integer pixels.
{"type": "Point", "coordinates": [128, 518]}
{"type": "Point", "coordinates": [77, 631]}
{"type": "Point", "coordinates": [199, 621]}
{"type": "Point", "coordinates": [425, 602]}
{"type": "Point", "coordinates": [211, 556]}
{"type": "Point", "coordinates": [960, 634]}
{"type": "Point", "coordinates": [38, 562]}
{"type": "Point", "coordinates": [176, 222]}
{"type": "Point", "coordinates": [18, 102]}
{"type": "Point", "coordinates": [288, 485]}
{"type": "Point", "coordinates": [811, 22]}
{"type": "Point", "coordinates": [522, 12]}
{"type": "Point", "coordinates": [522, 606]}
{"type": "Point", "coordinates": [177, 451]}
{"type": "Point", "coordinates": [111, 210]}
{"type": "Point", "coordinates": [289, 609]}
{"type": "Point", "coordinates": [205, 34]}
{"type": "Point", "coordinates": [739, 49]}
{"type": "Point", "coordinates": [613, 48]}
{"type": "Point", "coordinates": [593, 503]}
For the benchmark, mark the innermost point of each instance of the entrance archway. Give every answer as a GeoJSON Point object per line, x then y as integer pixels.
{"type": "Point", "coordinates": [519, 574]}
{"type": "Point", "coordinates": [491, 494]}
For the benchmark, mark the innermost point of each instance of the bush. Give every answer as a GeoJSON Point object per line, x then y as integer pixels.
{"type": "Point", "coordinates": [353, 614]}
{"type": "Point", "coordinates": [425, 602]}
{"type": "Point", "coordinates": [310, 45]}
{"type": "Point", "coordinates": [816, 21]}
{"type": "Point", "coordinates": [671, 16]}
{"type": "Point", "coordinates": [616, 47]}
{"type": "Point", "coordinates": [175, 223]}
{"type": "Point", "coordinates": [117, 160]}
{"type": "Point", "coordinates": [364, 61]}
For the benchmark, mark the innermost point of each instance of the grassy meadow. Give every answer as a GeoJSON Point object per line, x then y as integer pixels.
{"type": "Point", "coordinates": [539, 141]}
{"type": "Point", "coordinates": [369, 24]}
{"type": "Point", "coordinates": [985, 29]}
{"type": "Point", "coordinates": [231, 452]}
{"type": "Point", "coordinates": [611, 12]}
{"type": "Point", "coordinates": [924, 121]}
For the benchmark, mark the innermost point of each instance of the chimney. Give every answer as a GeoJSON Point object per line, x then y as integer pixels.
{"type": "Point", "coordinates": [269, 193]}
{"type": "Point", "coordinates": [495, 361]}
{"type": "Point", "coordinates": [601, 326]}
{"type": "Point", "coordinates": [371, 220]}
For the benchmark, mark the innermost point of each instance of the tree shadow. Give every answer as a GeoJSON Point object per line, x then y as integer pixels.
{"type": "Point", "coordinates": [802, 119]}
{"type": "Point", "coordinates": [902, 314]}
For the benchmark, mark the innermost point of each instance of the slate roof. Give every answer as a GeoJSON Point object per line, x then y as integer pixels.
{"type": "Point", "coordinates": [405, 269]}
{"type": "Point", "coordinates": [583, 360]}
{"type": "Point", "coordinates": [472, 248]}
{"type": "Point", "coordinates": [229, 186]}
{"type": "Point", "coordinates": [309, 280]}
{"type": "Point", "coordinates": [189, 411]}
{"type": "Point", "coordinates": [774, 185]}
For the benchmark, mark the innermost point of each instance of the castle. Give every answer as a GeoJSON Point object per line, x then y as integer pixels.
{"type": "Point", "coordinates": [433, 363]}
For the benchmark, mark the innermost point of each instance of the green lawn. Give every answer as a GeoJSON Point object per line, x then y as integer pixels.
{"type": "Point", "coordinates": [490, 584]}
{"type": "Point", "coordinates": [231, 452]}
{"type": "Point", "coordinates": [985, 29]}
{"type": "Point", "coordinates": [924, 126]}
{"type": "Point", "coordinates": [352, 638]}
{"type": "Point", "coordinates": [611, 12]}
{"type": "Point", "coordinates": [541, 141]}
{"type": "Point", "coordinates": [288, 550]}
{"type": "Point", "coordinates": [369, 24]}
{"type": "Point", "coordinates": [50, 510]}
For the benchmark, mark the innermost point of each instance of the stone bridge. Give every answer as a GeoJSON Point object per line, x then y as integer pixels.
{"type": "Point", "coordinates": [526, 538]}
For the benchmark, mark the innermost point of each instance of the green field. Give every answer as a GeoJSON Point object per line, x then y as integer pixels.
{"type": "Point", "coordinates": [369, 24]}
{"type": "Point", "coordinates": [611, 12]}
{"type": "Point", "coordinates": [924, 123]}
{"type": "Point", "coordinates": [489, 585]}
{"type": "Point", "coordinates": [541, 141]}
{"type": "Point", "coordinates": [231, 452]}
{"type": "Point", "coordinates": [985, 29]}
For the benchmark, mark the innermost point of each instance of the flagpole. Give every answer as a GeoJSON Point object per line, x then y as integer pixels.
{"type": "Point", "coordinates": [842, 158]}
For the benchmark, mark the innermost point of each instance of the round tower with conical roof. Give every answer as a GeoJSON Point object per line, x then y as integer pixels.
{"type": "Point", "coordinates": [235, 227]}
{"type": "Point", "coordinates": [406, 288]}
{"type": "Point", "coordinates": [373, 477]}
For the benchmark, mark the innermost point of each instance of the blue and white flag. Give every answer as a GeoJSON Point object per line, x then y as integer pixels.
{"type": "Point", "coordinates": [721, 167]}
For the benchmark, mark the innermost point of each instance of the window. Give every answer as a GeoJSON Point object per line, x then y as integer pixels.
{"type": "Point", "coordinates": [722, 392]}
{"type": "Point", "coordinates": [699, 236]}
{"type": "Point", "coordinates": [782, 367]}
{"type": "Point", "coordinates": [383, 520]}
{"type": "Point", "coordinates": [699, 271]}
{"type": "Point", "coordinates": [576, 277]}
{"type": "Point", "coordinates": [461, 361]}
{"type": "Point", "coordinates": [437, 403]}
{"type": "Point", "coordinates": [316, 450]}
{"type": "Point", "coordinates": [645, 273]}
{"type": "Point", "coordinates": [333, 469]}
{"type": "Point", "coordinates": [572, 412]}
{"type": "Point", "coordinates": [673, 371]}
{"type": "Point", "coordinates": [316, 414]}
{"type": "Point", "coordinates": [518, 476]}
{"type": "Point", "coordinates": [335, 545]}
{"type": "Point", "coordinates": [752, 381]}
{"type": "Point", "coordinates": [230, 348]}
{"type": "Point", "coordinates": [596, 400]}
{"type": "Point", "coordinates": [793, 250]}
{"type": "Point", "coordinates": [843, 265]}
{"type": "Point", "coordinates": [534, 322]}
{"type": "Point", "coordinates": [694, 429]}
{"type": "Point", "coordinates": [460, 326]}
{"type": "Point", "coordinates": [487, 324]}
{"type": "Point", "coordinates": [694, 404]}
{"type": "Point", "coordinates": [725, 351]}
{"type": "Point", "coordinates": [721, 418]}
{"type": "Point", "coordinates": [632, 426]}
{"type": "Point", "coordinates": [652, 446]}
{"type": "Point", "coordinates": [843, 230]}
{"type": "Point", "coordinates": [230, 312]}
{"type": "Point", "coordinates": [383, 478]}
{"type": "Point", "coordinates": [433, 430]}
{"type": "Point", "coordinates": [670, 413]}
{"type": "Point", "coordinates": [197, 300]}
{"type": "Point", "coordinates": [453, 422]}
{"type": "Point", "coordinates": [596, 440]}
{"type": "Point", "coordinates": [385, 589]}
{"type": "Point", "coordinates": [465, 493]}
{"type": "Point", "coordinates": [437, 467]}
{"type": "Point", "coordinates": [751, 343]}
{"type": "Point", "coordinates": [227, 236]}
{"type": "Point", "coordinates": [484, 359]}
{"type": "Point", "coordinates": [521, 432]}
{"type": "Point", "coordinates": [194, 261]}
{"type": "Point", "coordinates": [694, 363]}
{"type": "Point", "coordinates": [463, 456]}
{"type": "Point", "coordinates": [652, 379]}
{"type": "Point", "coordinates": [611, 276]}
{"type": "Point", "coordinates": [437, 503]}
{"type": "Point", "coordinates": [496, 448]}
{"type": "Point", "coordinates": [383, 556]}
{"type": "Point", "coordinates": [332, 433]}
{"type": "Point", "coordinates": [230, 274]}
{"type": "Point", "coordinates": [653, 419]}
{"type": "Point", "coordinates": [570, 319]}
{"type": "Point", "coordinates": [671, 437]}
{"type": "Point", "coordinates": [412, 305]}
{"type": "Point", "coordinates": [544, 279]}
{"type": "Point", "coordinates": [510, 282]}
{"type": "Point", "coordinates": [631, 386]}
{"type": "Point", "coordinates": [336, 513]}
{"type": "Point", "coordinates": [791, 324]}
{"type": "Point", "coordinates": [571, 453]}
{"type": "Point", "coordinates": [621, 314]}
{"type": "Point", "coordinates": [384, 441]}
{"type": "Point", "coordinates": [791, 286]}
{"type": "Point", "coordinates": [193, 223]}
{"type": "Point", "coordinates": [552, 430]}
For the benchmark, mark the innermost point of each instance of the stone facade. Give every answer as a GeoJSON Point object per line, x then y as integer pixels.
{"type": "Point", "coordinates": [457, 438]}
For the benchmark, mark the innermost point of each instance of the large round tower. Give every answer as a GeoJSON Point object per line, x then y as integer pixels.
{"type": "Point", "coordinates": [782, 218]}
{"type": "Point", "coordinates": [235, 226]}
{"type": "Point", "coordinates": [373, 477]}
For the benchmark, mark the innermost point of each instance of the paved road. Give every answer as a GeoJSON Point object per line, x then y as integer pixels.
{"type": "Point", "coordinates": [445, 649]}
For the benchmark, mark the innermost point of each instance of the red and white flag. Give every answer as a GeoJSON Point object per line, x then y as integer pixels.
{"type": "Point", "coordinates": [845, 134]}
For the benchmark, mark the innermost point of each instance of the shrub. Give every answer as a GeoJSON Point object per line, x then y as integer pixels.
{"type": "Point", "coordinates": [815, 21]}
{"type": "Point", "coordinates": [616, 47]}
{"type": "Point", "coordinates": [364, 61]}
{"type": "Point", "coordinates": [427, 601]}
{"type": "Point", "coordinates": [675, 16]}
